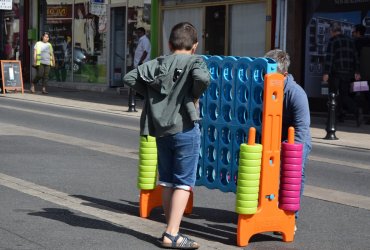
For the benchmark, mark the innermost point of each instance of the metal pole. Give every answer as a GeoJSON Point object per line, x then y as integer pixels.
{"type": "Point", "coordinates": [131, 101]}
{"type": "Point", "coordinates": [330, 124]}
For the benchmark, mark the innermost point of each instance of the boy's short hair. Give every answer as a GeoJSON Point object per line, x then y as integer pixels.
{"type": "Point", "coordinates": [282, 59]}
{"type": "Point", "coordinates": [183, 36]}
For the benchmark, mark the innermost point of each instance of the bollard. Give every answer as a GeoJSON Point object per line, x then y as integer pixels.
{"type": "Point", "coordinates": [330, 124]}
{"type": "Point", "coordinates": [131, 101]}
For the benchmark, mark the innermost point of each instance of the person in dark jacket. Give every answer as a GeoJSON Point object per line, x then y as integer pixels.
{"type": "Point", "coordinates": [341, 67]}
{"type": "Point", "coordinates": [296, 110]}
{"type": "Point", "coordinates": [171, 86]}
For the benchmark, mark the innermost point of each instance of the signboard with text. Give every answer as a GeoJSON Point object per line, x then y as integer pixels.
{"type": "Point", "coordinates": [6, 4]}
{"type": "Point", "coordinates": [11, 73]}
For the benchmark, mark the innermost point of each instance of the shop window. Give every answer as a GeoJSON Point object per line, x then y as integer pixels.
{"type": "Point", "coordinates": [78, 34]}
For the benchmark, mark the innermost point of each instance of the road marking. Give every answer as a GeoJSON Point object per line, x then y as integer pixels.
{"type": "Point", "coordinates": [135, 128]}
{"type": "Point", "coordinates": [75, 104]}
{"type": "Point", "coordinates": [144, 226]}
{"type": "Point", "coordinates": [9, 129]}
{"type": "Point", "coordinates": [339, 197]}
{"type": "Point", "coordinates": [343, 163]}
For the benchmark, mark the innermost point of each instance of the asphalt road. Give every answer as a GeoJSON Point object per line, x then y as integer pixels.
{"type": "Point", "coordinates": [68, 181]}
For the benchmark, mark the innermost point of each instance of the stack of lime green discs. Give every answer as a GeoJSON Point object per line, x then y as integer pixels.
{"type": "Point", "coordinates": [248, 181]}
{"type": "Point", "coordinates": [147, 176]}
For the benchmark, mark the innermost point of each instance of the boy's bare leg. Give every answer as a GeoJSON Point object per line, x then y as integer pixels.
{"type": "Point", "coordinates": [177, 207]}
{"type": "Point", "coordinates": [166, 201]}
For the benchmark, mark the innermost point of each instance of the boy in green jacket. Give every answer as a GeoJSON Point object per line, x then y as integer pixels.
{"type": "Point", "coordinates": [171, 86]}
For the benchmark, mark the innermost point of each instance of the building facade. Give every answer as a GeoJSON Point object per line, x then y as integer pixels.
{"type": "Point", "coordinates": [94, 40]}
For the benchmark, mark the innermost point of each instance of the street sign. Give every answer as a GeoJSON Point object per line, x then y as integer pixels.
{"type": "Point", "coordinates": [6, 4]}
{"type": "Point", "coordinates": [11, 72]}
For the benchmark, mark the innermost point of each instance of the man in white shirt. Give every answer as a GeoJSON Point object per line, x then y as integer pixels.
{"type": "Point", "coordinates": [142, 52]}
{"type": "Point", "coordinates": [142, 55]}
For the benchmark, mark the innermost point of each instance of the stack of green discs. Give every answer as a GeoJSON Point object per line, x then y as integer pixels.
{"type": "Point", "coordinates": [147, 176]}
{"type": "Point", "coordinates": [248, 181]}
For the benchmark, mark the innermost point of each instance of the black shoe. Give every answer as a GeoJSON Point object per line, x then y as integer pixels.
{"type": "Point", "coordinates": [359, 117]}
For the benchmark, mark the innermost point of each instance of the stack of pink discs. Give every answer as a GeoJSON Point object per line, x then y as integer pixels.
{"type": "Point", "coordinates": [291, 176]}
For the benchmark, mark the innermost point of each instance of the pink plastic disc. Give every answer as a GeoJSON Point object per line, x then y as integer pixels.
{"type": "Point", "coordinates": [289, 200]}
{"type": "Point", "coordinates": [291, 147]}
{"type": "Point", "coordinates": [292, 154]}
{"type": "Point", "coordinates": [289, 207]}
{"type": "Point", "coordinates": [287, 193]}
{"type": "Point", "coordinates": [289, 180]}
{"type": "Point", "coordinates": [290, 187]}
{"type": "Point", "coordinates": [290, 160]}
{"type": "Point", "coordinates": [291, 167]}
{"type": "Point", "coordinates": [292, 174]}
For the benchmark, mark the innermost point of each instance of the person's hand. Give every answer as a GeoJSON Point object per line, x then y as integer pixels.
{"type": "Point", "coordinates": [357, 76]}
{"type": "Point", "coordinates": [325, 78]}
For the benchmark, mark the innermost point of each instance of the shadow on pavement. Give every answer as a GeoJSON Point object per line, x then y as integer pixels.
{"type": "Point", "coordinates": [70, 218]}
{"type": "Point", "coordinates": [220, 226]}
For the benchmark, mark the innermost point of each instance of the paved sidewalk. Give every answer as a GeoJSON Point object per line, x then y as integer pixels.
{"type": "Point", "coordinates": [111, 100]}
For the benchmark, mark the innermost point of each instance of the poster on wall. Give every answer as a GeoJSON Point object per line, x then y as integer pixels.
{"type": "Point", "coordinates": [318, 35]}
{"type": "Point", "coordinates": [6, 4]}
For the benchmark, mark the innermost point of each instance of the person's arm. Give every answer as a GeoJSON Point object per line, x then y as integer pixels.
{"type": "Point", "coordinates": [146, 48]}
{"type": "Point", "coordinates": [328, 61]}
{"type": "Point", "coordinates": [201, 77]}
{"type": "Point", "coordinates": [133, 80]}
{"type": "Point", "coordinates": [356, 59]}
{"type": "Point", "coordinates": [52, 58]}
{"type": "Point", "coordinates": [142, 58]}
{"type": "Point", "coordinates": [34, 54]}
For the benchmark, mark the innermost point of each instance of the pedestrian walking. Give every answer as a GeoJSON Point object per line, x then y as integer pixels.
{"type": "Point", "coordinates": [340, 69]}
{"type": "Point", "coordinates": [43, 59]}
{"type": "Point", "coordinates": [171, 86]}
{"type": "Point", "coordinates": [362, 44]}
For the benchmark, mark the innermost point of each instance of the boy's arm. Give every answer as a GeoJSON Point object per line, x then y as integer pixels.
{"type": "Point", "coordinates": [201, 77]}
{"type": "Point", "coordinates": [133, 80]}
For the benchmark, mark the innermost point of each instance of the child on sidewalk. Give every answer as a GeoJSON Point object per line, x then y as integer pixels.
{"type": "Point", "coordinates": [171, 86]}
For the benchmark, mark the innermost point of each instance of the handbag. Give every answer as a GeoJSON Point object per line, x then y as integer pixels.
{"type": "Point", "coordinates": [359, 86]}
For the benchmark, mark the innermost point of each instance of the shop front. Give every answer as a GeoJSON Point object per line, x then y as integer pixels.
{"type": "Point", "coordinates": [92, 39]}
{"type": "Point", "coordinates": [238, 28]}
{"type": "Point", "coordinates": [13, 36]}
{"type": "Point", "coordinates": [320, 14]}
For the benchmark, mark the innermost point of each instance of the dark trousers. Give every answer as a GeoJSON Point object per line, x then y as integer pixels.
{"type": "Point", "coordinates": [339, 83]}
{"type": "Point", "coordinates": [42, 73]}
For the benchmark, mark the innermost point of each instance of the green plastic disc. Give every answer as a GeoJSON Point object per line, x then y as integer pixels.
{"type": "Point", "coordinates": [242, 210]}
{"type": "Point", "coordinates": [247, 204]}
{"type": "Point", "coordinates": [248, 183]}
{"type": "Point", "coordinates": [247, 190]}
{"type": "Point", "coordinates": [247, 197]}
{"type": "Point", "coordinates": [256, 148]}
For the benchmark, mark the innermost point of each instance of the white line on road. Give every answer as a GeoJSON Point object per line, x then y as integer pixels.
{"type": "Point", "coordinates": [135, 223]}
{"type": "Point", "coordinates": [8, 129]}
{"type": "Point", "coordinates": [135, 128]}
{"type": "Point", "coordinates": [337, 162]}
{"type": "Point", "coordinates": [331, 195]}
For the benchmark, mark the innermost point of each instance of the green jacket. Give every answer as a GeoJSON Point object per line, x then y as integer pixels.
{"type": "Point", "coordinates": [170, 84]}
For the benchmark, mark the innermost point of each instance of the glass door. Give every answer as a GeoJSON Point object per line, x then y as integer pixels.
{"type": "Point", "coordinates": [215, 30]}
{"type": "Point", "coordinates": [117, 46]}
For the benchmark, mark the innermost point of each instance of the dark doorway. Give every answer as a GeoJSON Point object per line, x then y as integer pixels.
{"type": "Point", "coordinates": [215, 30]}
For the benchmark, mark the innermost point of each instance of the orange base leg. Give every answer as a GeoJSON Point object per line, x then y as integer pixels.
{"type": "Point", "coordinates": [248, 225]}
{"type": "Point", "coordinates": [150, 199]}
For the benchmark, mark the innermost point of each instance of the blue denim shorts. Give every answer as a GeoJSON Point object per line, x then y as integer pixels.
{"type": "Point", "coordinates": [178, 157]}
